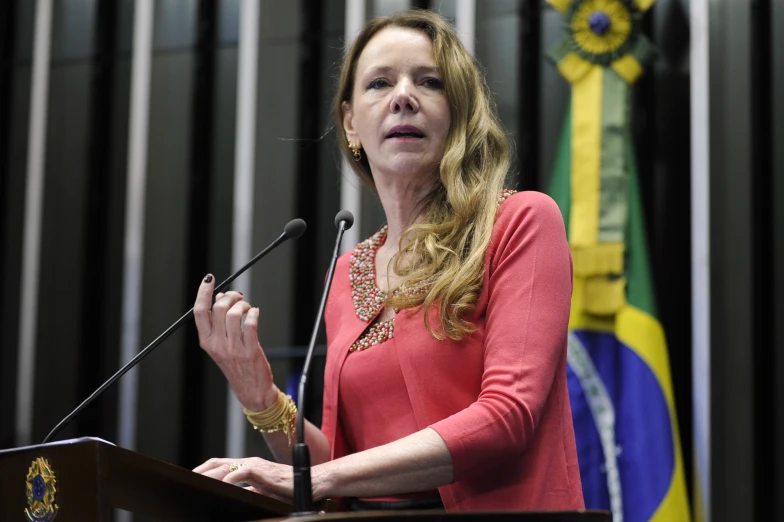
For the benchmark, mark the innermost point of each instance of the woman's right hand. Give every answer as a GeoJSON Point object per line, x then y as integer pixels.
{"type": "Point", "coordinates": [236, 350]}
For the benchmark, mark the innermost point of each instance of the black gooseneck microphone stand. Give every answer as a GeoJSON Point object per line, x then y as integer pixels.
{"type": "Point", "coordinates": [303, 490]}
{"type": "Point", "coordinates": [293, 229]}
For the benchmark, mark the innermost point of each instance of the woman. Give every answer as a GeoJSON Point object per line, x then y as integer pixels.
{"type": "Point", "coordinates": [445, 378]}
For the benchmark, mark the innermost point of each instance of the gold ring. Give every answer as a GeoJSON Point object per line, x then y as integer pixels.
{"type": "Point", "coordinates": [234, 466]}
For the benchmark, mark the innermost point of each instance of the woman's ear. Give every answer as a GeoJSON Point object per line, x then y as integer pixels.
{"type": "Point", "coordinates": [348, 125]}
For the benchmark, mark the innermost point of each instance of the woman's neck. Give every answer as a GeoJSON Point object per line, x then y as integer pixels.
{"type": "Point", "coordinates": [402, 203]}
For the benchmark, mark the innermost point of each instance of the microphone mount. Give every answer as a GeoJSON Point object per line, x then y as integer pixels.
{"type": "Point", "coordinates": [303, 489]}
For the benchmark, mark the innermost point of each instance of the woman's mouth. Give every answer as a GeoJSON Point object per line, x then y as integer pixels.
{"type": "Point", "coordinates": [405, 133]}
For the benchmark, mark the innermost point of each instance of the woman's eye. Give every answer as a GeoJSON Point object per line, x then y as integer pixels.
{"type": "Point", "coordinates": [378, 83]}
{"type": "Point", "coordinates": [433, 83]}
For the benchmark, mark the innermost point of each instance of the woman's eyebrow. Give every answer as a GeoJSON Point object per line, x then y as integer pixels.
{"type": "Point", "coordinates": [386, 69]}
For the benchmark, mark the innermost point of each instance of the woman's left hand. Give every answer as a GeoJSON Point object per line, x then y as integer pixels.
{"type": "Point", "coordinates": [265, 477]}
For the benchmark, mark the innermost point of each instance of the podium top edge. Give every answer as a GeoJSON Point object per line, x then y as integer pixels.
{"type": "Point", "coordinates": [66, 442]}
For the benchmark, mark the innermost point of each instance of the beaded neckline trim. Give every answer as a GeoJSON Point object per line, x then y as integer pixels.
{"type": "Point", "coordinates": [376, 334]}
{"type": "Point", "coordinates": [368, 298]}
{"type": "Point", "coordinates": [505, 194]}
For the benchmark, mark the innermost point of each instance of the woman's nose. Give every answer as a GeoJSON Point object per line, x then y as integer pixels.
{"type": "Point", "coordinates": [403, 98]}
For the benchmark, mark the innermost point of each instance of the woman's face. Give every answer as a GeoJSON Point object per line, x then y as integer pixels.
{"type": "Point", "coordinates": [399, 112]}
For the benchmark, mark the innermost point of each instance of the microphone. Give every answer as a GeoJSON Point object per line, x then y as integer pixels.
{"type": "Point", "coordinates": [293, 229]}
{"type": "Point", "coordinates": [303, 490]}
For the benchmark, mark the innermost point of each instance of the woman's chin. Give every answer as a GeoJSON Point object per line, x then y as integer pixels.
{"type": "Point", "coordinates": [408, 165]}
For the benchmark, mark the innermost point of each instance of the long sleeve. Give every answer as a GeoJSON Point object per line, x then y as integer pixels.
{"type": "Point", "coordinates": [529, 284]}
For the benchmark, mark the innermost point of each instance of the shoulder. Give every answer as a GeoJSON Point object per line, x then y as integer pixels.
{"type": "Point", "coordinates": [530, 209]}
{"type": "Point", "coordinates": [528, 200]}
{"type": "Point", "coordinates": [529, 224]}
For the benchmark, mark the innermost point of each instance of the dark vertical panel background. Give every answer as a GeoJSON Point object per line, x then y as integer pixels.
{"type": "Point", "coordinates": [499, 26]}
{"type": "Point", "coordinates": [8, 29]}
{"type": "Point", "coordinates": [98, 330]}
{"type": "Point", "coordinates": [763, 242]}
{"type": "Point", "coordinates": [777, 287]}
{"type": "Point", "coordinates": [64, 240]}
{"type": "Point", "coordinates": [530, 53]}
{"type": "Point", "coordinates": [733, 468]}
{"type": "Point", "coordinates": [278, 145]}
{"type": "Point", "coordinates": [13, 207]}
{"type": "Point", "coordinates": [329, 156]}
{"type": "Point", "coordinates": [167, 208]}
{"type": "Point", "coordinates": [7, 32]}
{"type": "Point", "coordinates": [660, 124]}
{"type": "Point", "coordinates": [212, 418]}
{"type": "Point", "coordinates": [309, 181]}
{"type": "Point", "coordinates": [114, 199]}
{"type": "Point", "coordinates": [201, 163]}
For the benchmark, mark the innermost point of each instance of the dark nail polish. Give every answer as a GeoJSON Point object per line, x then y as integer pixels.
{"type": "Point", "coordinates": [208, 279]}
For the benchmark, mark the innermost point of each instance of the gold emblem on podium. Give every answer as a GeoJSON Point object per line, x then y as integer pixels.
{"type": "Point", "coordinates": [40, 492]}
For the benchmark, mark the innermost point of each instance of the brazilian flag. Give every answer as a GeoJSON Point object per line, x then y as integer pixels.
{"type": "Point", "coordinates": [618, 369]}
{"type": "Point", "coordinates": [619, 376]}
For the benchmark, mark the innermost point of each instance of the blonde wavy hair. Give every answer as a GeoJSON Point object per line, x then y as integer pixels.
{"type": "Point", "coordinates": [443, 253]}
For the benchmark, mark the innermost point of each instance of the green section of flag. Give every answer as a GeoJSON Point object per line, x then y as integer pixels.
{"type": "Point", "coordinates": [639, 290]}
{"type": "Point", "coordinates": [560, 181]}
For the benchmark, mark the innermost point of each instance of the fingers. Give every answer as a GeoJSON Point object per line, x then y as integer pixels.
{"type": "Point", "coordinates": [219, 310]}
{"type": "Point", "coordinates": [224, 472]}
{"type": "Point", "coordinates": [250, 334]}
{"type": "Point", "coordinates": [227, 470]}
{"type": "Point", "coordinates": [269, 478]}
{"type": "Point", "coordinates": [218, 473]}
{"type": "Point", "coordinates": [236, 475]}
{"type": "Point", "coordinates": [201, 308]}
{"type": "Point", "coordinates": [212, 464]}
{"type": "Point", "coordinates": [234, 324]}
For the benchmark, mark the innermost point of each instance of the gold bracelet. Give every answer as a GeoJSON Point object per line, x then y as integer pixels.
{"type": "Point", "coordinates": [281, 416]}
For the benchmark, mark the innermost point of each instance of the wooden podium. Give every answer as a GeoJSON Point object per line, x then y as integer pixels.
{"type": "Point", "coordinates": [92, 478]}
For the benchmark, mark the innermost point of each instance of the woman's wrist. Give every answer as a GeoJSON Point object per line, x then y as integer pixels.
{"type": "Point", "coordinates": [264, 401]}
{"type": "Point", "coordinates": [270, 398]}
{"type": "Point", "coordinates": [321, 482]}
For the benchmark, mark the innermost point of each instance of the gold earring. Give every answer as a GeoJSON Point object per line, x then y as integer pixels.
{"type": "Point", "coordinates": [355, 149]}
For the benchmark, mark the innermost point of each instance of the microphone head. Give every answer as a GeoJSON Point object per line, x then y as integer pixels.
{"type": "Point", "coordinates": [344, 215]}
{"type": "Point", "coordinates": [295, 228]}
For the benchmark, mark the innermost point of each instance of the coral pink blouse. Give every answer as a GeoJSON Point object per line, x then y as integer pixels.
{"type": "Point", "coordinates": [499, 397]}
